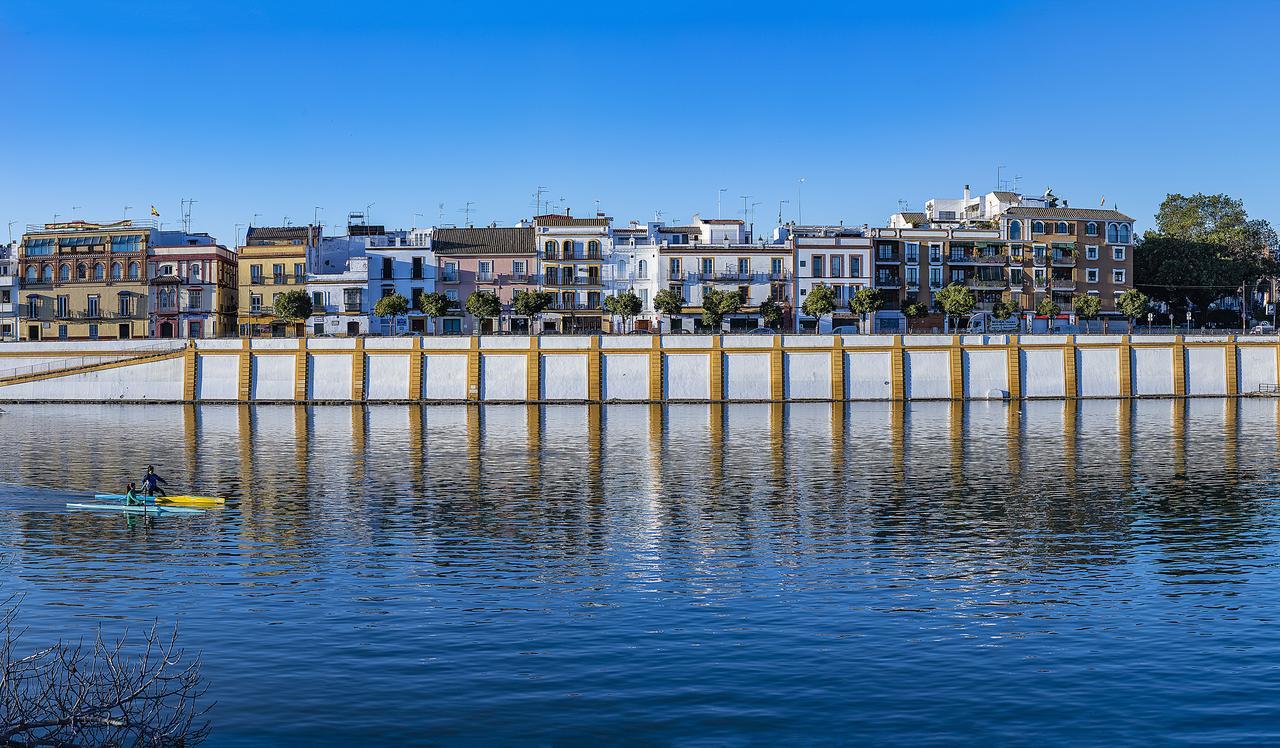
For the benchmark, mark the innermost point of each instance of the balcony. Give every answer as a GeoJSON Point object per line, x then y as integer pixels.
{"type": "Point", "coordinates": [484, 277]}
{"type": "Point", "coordinates": [1038, 260]}
{"type": "Point", "coordinates": [992, 259]}
{"type": "Point", "coordinates": [730, 275]}
{"type": "Point", "coordinates": [888, 281]}
{"type": "Point", "coordinates": [913, 259]}
{"type": "Point", "coordinates": [961, 258]}
{"type": "Point", "coordinates": [1064, 284]}
{"type": "Point", "coordinates": [96, 314]}
{"type": "Point", "coordinates": [987, 283]}
{"type": "Point", "coordinates": [514, 278]}
{"type": "Point", "coordinates": [890, 257]}
{"type": "Point", "coordinates": [1064, 261]}
{"type": "Point", "coordinates": [449, 277]}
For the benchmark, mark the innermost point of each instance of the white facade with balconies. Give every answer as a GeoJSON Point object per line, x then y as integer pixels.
{"type": "Point", "coordinates": [835, 256]}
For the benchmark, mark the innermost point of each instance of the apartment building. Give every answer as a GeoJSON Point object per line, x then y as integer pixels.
{"type": "Point", "coordinates": [835, 256]}
{"type": "Point", "coordinates": [402, 262]}
{"type": "Point", "coordinates": [9, 274]}
{"type": "Point", "coordinates": [192, 288]}
{"type": "Point", "coordinates": [1004, 247]}
{"type": "Point", "coordinates": [272, 261]}
{"type": "Point", "coordinates": [502, 261]}
{"type": "Point", "coordinates": [88, 280]}
{"type": "Point", "coordinates": [571, 255]}
{"type": "Point", "coordinates": [634, 267]}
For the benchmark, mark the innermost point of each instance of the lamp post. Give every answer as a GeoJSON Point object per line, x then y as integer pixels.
{"type": "Point", "coordinates": [1150, 318]}
{"type": "Point", "coordinates": [1188, 321]}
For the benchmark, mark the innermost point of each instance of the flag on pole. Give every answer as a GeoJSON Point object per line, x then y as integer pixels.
{"type": "Point", "coordinates": [154, 212]}
{"type": "Point", "coordinates": [1103, 204]}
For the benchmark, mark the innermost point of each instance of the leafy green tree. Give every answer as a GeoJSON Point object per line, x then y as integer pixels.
{"type": "Point", "coordinates": [625, 305]}
{"type": "Point", "coordinates": [1004, 309]}
{"type": "Point", "coordinates": [668, 302]}
{"type": "Point", "coordinates": [716, 304]}
{"type": "Point", "coordinates": [818, 303]}
{"type": "Point", "coordinates": [1087, 306]}
{"type": "Point", "coordinates": [484, 305]}
{"type": "Point", "coordinates": [391, 306]}
{"type": "Point", "coordinates": [956, 301]}
{"type": "Point", "coordinates": [771, 313]}
{"type": "Point", "coordinates": [1134, 305]}
{"type": "Point", "coordinates": [294, 306]}
{"type": "Point", "coordinates": [435, 305]}
{"type": "Point", "coordinates": [531, 304]}
{"type": "Point", "coordinates": [865, 302]}
{"type": "Point", "coordinates": [1050, 309]}
{"type": "Point", "coordinates": [915, 310]}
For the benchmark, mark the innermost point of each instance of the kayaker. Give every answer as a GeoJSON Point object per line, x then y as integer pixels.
{"type": "Point", "coordinates": [131, 496]}
{"type": "Point", "coordinates": [151, 481]}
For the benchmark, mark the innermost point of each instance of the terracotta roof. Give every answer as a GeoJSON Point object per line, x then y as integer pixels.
{"type": "Point", "coordinates": [505, 241]}
{"type": "Point", "coordinates": [914, 216]}
{"type": "Point", "coordinates": [737, 221]}
{"type": "Point", "coordinates": [1069, 214]}
{"type": "Point", "coordinates": [1008, 197]}
{"type": "Point", "coordinates": [276, 233]}
{"type": "Point", "coordinates": [679, 230]}
{"type": "Point", "coordinates": [553, 219]}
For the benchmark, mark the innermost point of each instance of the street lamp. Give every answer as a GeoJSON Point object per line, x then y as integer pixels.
{"type": "Point", "coordinates": [1150, 317]}
{"type": "Point", "coordinates": [1188, 321]}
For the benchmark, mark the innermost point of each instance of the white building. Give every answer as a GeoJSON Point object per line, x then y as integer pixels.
{"type": "Point", "coordinates": [401, 262]}
{"type": "Point", "coordinates": [339, 303]}
{"type": "Point", "coordinates": [9, 291]}
{"type": "Point", "coordinates": [571, 260]}
{"type": "Point", "coordinates": [633, 266]}
{"type": "Point", "coordinates": [835, 256]}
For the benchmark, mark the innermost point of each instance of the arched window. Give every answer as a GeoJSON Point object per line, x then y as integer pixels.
{"type": "Point", "coordinates": [117, 271]}
{"type": "Point", "coordinates": [549, 248]}
{"type": "Point", "coordinates": [622, 269]}
{"type": "Point", "coordinates": [1123, 233]}
{"type": "Point", "coordinates": [643, 268]}
{"type": "Point", "coordinates": [1015, 230]}
{"type": "Point", "coordinates": [1062, 227]}
{"type": "Point", "coordinates": [46, 272]}
{"type": "Point", "coordinates": [64, 273]}
{"type": "Point", "coordinates": [566, 247]}
{"type": "Point", "coordinates": [195, 271]}
{"type": "Point", "coordinates": [593, 249]}
{"type": "Point", "coordinates": [133, 271]}
{"type": "Point", "coordinates": [99, 271]}
{"type": "Point", "coordinates": [32, 273]}
{"type": "Point", "coordinates": [1091, 229]}
{"type": "Point", "coordinates": [1037, 227]}
{"type": "Point", "coordinates": [1112, 233]}
{"type": "Point", "coordinates": [82, 271]}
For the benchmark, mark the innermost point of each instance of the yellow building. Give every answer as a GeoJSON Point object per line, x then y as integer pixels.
{"type": "Point", "coordinates": [83, 280]}
{"type": "Point", "coordinates": [272, 261]}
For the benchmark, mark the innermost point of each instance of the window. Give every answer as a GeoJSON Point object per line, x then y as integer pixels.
{"type": "Point", "coordinates": [1062, 227]}
{"type": "Point", "coordinates": [299, 272]}
{"type": "Point", "coordinates": [935, 254]}
{"type": "Point", "coordinates": [451, 272]}
{"type": "Point", "coordinates": [133, 271]}
{"type": "Point", "coordinates": [837, 266]}
{"type": "Point", "coordinates": [388, 267]}
{"type": "Point", "coordinates": [32, 273]}
{"type": "Point", "coordinates": [1117, 276]}
{"type": "Point", "coordinates": [1091, 275]}
{"type": "Point", "coordinates": [519, 268]}
{"type": "Point", "coordinates": [884, 252]}
{"type": "Point", "coordinates": [913, 277]}
{"type": "Point", "coordinates": [817, 262]}
{"type": "Point", "coordinates": [1015, 277]}
{"type": "Point", "coordinates": [39, 247]}
{"type": "Point", "coordinates": [485, 273]}
{"type": "Point", "coordinates": [1124, 233]}
{"type": "Point", "coordinates": [935, 277]}
{"type": "Point", "coordinates": [91, 306]}
{"type": "Point", "coordinates": [1117, 253]}
{"type": "Point", "coordinates": [255, 273]}
{"type": "Point", "coordinates": [1091, 252]}
{"type": "Point", "coordinates": [117, 271]}
{"type": "Point", "coordinates": [452, 295]}
{"type": "Point", "coordinates": [1037, 227]}
{"type": "Point", "coordinates": [99, 271]}
{"type": "Point", "coordinates": [1091, 229]}
{"type": "Point", "coordinates": [673, 267]}
{"type": "Point", "coordinates": [946, 215]}
{"type": "Point", "coordinates": [1015, 251]}
{"type": "Point", "coordinates": [194, 272]}
{"type": "Point", "coordinates": [131, 243]}
{"type": "Point", "coordinates": [957, 275]}
{"type": "Point", "coordinates": [277, 272]}
{"type": "Point", "coordinates": [1113, 233]}
{"type": "Point", "coordinates": [317, 299]}
{"type": "Point", "coordinates": [415, 298]}
{"type": "Point", "coordinates": [255, 302]}
{"type": "Point", "coordinates": [744, 266]}
{"type": "Point", "coordinates": [642, 270]}
{"type": "Point", "coordinates": [566, 249]}
{"type": "Point", "coordinates": [64, 273]}
{"type": "Point", "coordinates": [33, 307]}
{"type": "Point", "coordinates": [775, 267]}
{"type": "Point", "coordinates": [351, 299]}
{"type": "Point", "coordinates": [913, 252]}
{"type": "Point", "coordinates": [62, 303]}
{"type": "Point", "coordinates": [708, 266]}
{"type": "Point", "coordinates": [593, 250]}
{"type": "Point", "coordinates": [855, 266]}
{"type": "Point", "coordinates": [1015, 230]}
{"type": "Point", "coordinates": [387, 290]}
{"type": "Point", "coordinates": [122, 304]}
{"type": "Point", "coordinates": [46, 273]}
{"type": "Point", "coordinates": [549, 249]}
{"type": "Point", "coordinates": [416, 272]}
{"type": "Point", "coordinates": [82, 272]}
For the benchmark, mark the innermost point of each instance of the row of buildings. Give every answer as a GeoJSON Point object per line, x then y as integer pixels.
{"type": "Point", "coordinates": [129, 279]}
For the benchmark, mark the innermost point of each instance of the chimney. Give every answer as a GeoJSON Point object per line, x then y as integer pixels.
{"type": "Point", "coordinates": [966, 194]}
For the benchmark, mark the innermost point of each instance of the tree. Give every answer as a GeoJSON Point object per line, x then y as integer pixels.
{"type": "Point", "coordinates": [435, 305]}
{"type": "Point", "coordinates": [865, 302]}
{"type": "Point", "coordinates": [1133, 304]}
{"type": "Point", "coordinates": [531, 303]}
{"type": "Point", "coordinates": [915, 310]}
{"type": "Point", "coordinates": [99, 692]}
{"type": "Point", "coordinates": [484, 305]}
{"type": "Point", "coordinates": [625, 305]}
{"type": "Point", "coordinates": [1004, 309]}
{"type": "Point", "coordinates": [956, 301]}
{"type": "Point", "coordinates": [668, 302]}
{"type": "Point", "coordinates": [294, 306]}
{"type": "Point", "coordinates": [1050, 309]}
{"type": "Point", "coordinates": [717, 304]}
{"type": "Point", "coordinates": [1087, 306]}
{"type": "Point", "coordinates": [391, 306]}
{"type": "Point", "coordinates": [771, 313]}
{"type": "Point", "coordinates": [819, 302]}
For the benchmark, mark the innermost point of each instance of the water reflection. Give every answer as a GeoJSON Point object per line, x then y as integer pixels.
{"type": "Point", "coordinates": [769, 557]}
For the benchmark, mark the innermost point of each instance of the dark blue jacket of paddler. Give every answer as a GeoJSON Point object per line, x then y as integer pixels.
{"type": "Point", "coordinates": [150, 480]}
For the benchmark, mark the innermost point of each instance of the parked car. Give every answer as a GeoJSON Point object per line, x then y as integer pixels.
{"type": "Point", "coordinates": [1266, 328]}
{"type": "Point", "coordinates": [844, 330]}
{"type": "Point", "coordinates": [642, 332]}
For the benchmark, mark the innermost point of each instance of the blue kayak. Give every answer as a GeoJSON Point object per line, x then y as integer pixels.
{"type": "Point", "coordinates": [137, 509]}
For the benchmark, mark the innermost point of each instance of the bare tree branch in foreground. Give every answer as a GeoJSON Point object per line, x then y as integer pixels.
{"type": "Point", "coordinates": [99, 692]}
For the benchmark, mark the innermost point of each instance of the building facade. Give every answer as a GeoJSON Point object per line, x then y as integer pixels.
{"type": "Point", "coordinates": [571, 256]}
{"type": "Point", "coordinates": [402, 262]}
{"type": "Point", "coordinates": [9, 290]}
{"type": "Point", "coordinates": [192, 289]}
{"type": "Point", "coordinates": [835, 256]}
{"type": "Point", "coordinates": [502, 261]}
{"type": "Point", "coordinates": [272, 261]}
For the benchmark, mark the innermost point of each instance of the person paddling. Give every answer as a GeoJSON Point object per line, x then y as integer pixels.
{"type": "Point", "coordinates": [151, 481]}
{"type": "Point", "coordinates": [131, 496]}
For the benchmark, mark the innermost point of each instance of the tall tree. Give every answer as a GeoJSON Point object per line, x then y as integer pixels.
{"type": "Point", "coordinates": [771, 313]}
{"type": "Point", "coordinates": [625, 305]}
{"type": "Point", "coordinates": [1134, 305]}
{"type": "Point", "coordinates": [391, 306]}
{"type": "Point", "coordinates": [818, 303]}
{"type": "Point", "coordinates": [294, 306]}
{"type": "Point", "coordinates": [956, 301]}
{"type": "Point", "coordinates": [716, 304]}
{"type": "Point", "coordinates": [1087, 306]}
{"type": "Point", "coordinates": [865, 302]}
{"type": "Point", "coordinates": [668, 302]}
{"type": "Point", "coordinates": [435, 305]}
{"type": "Point", "coordinates": [531, 304]}
{"type": "Point", "coordinates": [1050, 309]}
{"type": "Point", "coordinates": [484, 305]}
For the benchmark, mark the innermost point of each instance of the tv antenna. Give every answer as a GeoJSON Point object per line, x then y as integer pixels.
{"type": "Point", "coordinates": [537, 201]}
{"type": "Point", "coordinates": [186, 214]}
{"type": "Point", "coordinates": [440, 216]}
{"type": "Point", "coordinates": [902, 205]}
{"type": "Point", "coordinates": [780, 204]}
{"type": "Point", "coordinates": [466, 214]}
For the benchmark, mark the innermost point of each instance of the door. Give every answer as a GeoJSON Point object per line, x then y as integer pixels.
{"type": "Point", "coordinates": [126, 331]}
{"type": "Point", "coordinates": [166, 329]}
{"type": "Point", "coordinates": [195, 329]}
{"type": "Point", "coordinates": [353, 329]}
{"type": "Point", "coordinates": [418, 325]}
{"type": "Point", "coordinates": [33, 332]}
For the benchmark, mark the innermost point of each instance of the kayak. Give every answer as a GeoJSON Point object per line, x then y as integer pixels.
{"type": "Point", "coordinates": [179, 500]}
{"type": "Point", "coordinates": [137, 509]}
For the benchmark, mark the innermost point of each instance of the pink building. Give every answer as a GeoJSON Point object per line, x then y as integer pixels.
{"type": "Point", "coordinates": [501, 261]}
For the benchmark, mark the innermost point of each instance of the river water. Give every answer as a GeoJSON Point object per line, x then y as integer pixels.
{"type": "Point", "coordinates": [1092, 573]}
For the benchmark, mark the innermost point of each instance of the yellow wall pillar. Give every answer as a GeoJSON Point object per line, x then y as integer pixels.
{"type": "Point", "coordinates": [837, 369]}
{"type": "Point", "coordinates": [246, 370]}
{"type": "Point", "coordinates": [655, 370]}
{"type": "Point", "coordinates": [357, 371]}
{"type": "Point", "coordinates": [190, 362]}
{"type": "Point", "coordinates": [300, 373]}
{"type": "Point", "coordinates": [898, 369]}
{"type": "Point", "coordinates": [777, 387]}
{"type": "Point", "coordinates": [415, 369]}
{"type": "Point", "coordinates": [533, 370]}
{"type": "Point", "coordinates": [1231, 351]}
{"type": "Point", "coordinates": [593, 370]}
{"type": "Point", "coordinates": [473, 369]}
{"type": "Point", "coordinates": [1179, 366]}
{"type": "Point", "coordinates": [1014, 362]}
{"type": "Point", "coordinates": [1126, 360]}
{"type": "Point", "coordinates": [717, 370]}
{"type": "Point", "coordinates": [1070, 381]}
{"type": "Point", "coordinates": [957, 369]}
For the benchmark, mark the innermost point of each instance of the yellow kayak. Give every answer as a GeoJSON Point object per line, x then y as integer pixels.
{"type": "Point", "coordinates": [170, 500]}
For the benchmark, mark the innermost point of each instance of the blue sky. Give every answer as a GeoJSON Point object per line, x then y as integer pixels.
{"type": "Point", "coordinates": [275, 108]}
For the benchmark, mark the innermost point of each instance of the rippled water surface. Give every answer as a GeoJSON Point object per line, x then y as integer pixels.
{"type": "Point", "coordinates": [1101, 573]}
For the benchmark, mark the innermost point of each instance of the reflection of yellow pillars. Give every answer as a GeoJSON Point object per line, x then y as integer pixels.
{"type": "Point", "coordinates": [1179, 441]}
{"type": "Point", "coordinates": [956, 354]}
{"type": "Point", "coordinates": [837, 367]}
{"type": "Point", "coordinates": [1069, 378]}
{"type": "Point", "coordinates": [244, 424]}
{"type": "Point", "coordinates": [898, 369]}
{"type": "Point", "coordinates": [533, 369]}
{"type": "Point", "coordinates": [417, 450]}
{"type": "Point", "coordinates": [1014, 363]}
{"type": "Point", "coordinates": [1070, 437]}
{"type": "Point", "coordinates": [955, 422]}
{"type": "Point", "coordinates": [595, 452]}
{"type": "Point", "coordinates": [1232, 354]}
{"type": "Point", "coordinates": [475, 444]}
{"type": "Point", "coordinates": [715, 446]}
{"type": "Point", "coordinates": [777, 385]}
{"type": "Point", "coordinates": [301, 440]}
{"type": "Point", "coordinates": [1231, 441]}
{"type": "Point", "coordinates": [415, 370]}
{"type": "Point", "coordinates": [1126, 361]}
{"type": "Point", "coordinates": [594, 370]}
{"type": "Point", "coordinates": [246, 372]}
{"type": "Point", "coordinates": [1124, 450]}
{"type": "Point", "coordinates": [777, 444]}
{"type": "Point", "coordinates": [190, 442]}
{"type": "Point", "coordinates": [898, 438]}
{"type": "Point", "coordinates": [716, 369]}
{"type": "Point", "coordinates": [1179, 366]}
{"type": "Point", "coordinates": [655, 370]}
{"type": "Point", "coordinates": [1013, 438]}
{"type": "Point", "coordinates": [357, 371]}
{"type": "Point", "coordinates": [533, 435]}
{"type": "Point", "coordinates": [837, 437]}
{"type": "Point", "coordinates": [655, 448]}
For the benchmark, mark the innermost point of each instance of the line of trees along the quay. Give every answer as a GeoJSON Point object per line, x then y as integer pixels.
{"type": "Point", "coordinates": [1208, 257]}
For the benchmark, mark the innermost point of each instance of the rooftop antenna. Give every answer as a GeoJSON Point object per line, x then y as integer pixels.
{"type": "Point", "coordinates": [440, 215]}
{"type": "Point", "coordinates": [719, 194]}
{"type": "Point", "coordinates": [186, 214]}
{"type": "Point", "coordinates": [753, 214]}
{"type": "Point", "coordinates": [657, 216]}
{"type": "Point", "coordinates": [780, 204]}
{"type": "Point", "coordinates": [537, 201]}
{"type": "Point", "coordinates": [799, 205]}
{"type": "Point", "coordinates": [597, 207]}
{"type": "Point", "coordinates": [416, 216]}
{"type": "Point", "coordinates": [286, 220]}
{"type": "Point", "coordinates": [1000, 184]}
{"type": "Point", "coordinates": [466, 214]}
{"type": "Point", "coordinates": [126, 210]}
{"type": "Point", "coordinates": [367, 219]}
{"type": "Point", "coordinates": [902, 205]}
{"type": "Point", "coordinates": [1017, 183]}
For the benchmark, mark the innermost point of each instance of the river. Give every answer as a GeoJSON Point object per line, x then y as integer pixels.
{"type": "Point", "coordinates": [1095, 573]}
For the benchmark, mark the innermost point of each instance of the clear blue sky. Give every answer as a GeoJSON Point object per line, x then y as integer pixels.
{"type": "Point", "coordinates": [278, 107]}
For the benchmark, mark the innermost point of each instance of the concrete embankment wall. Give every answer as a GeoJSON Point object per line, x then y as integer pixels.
{"type": "Point", "coordinates": [638, 368]}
